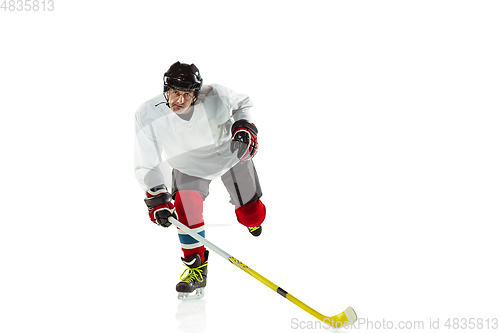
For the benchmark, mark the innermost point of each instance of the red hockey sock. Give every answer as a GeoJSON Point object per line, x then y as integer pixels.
{"type": "Point", "coordinates": [189, 208]}
{"type": "Point", "coordinates": [252, 214]}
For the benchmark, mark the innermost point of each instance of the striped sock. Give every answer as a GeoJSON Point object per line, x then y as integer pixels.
{"type": "Point", "coordinates": [191, 246]}
{"type": "Point", "coordinates": [189, 209]}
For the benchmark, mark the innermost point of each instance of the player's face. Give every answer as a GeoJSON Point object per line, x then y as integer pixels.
{"type": "Point", "coordinates": [180, 101]}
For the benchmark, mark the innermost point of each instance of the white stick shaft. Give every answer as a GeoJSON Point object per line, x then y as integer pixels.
{"type": "Point", "coordinates": [200, 239]}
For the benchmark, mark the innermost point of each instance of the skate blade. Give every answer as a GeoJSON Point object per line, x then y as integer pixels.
{"type": "Point", "coordinates": [197, 294]}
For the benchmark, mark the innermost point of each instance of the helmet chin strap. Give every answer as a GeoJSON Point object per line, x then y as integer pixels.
{"type": "Point", "coordinates": [166, 98]}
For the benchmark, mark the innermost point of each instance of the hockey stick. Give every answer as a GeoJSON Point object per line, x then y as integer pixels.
{"type": "Point", "coordinates": [347, 317]}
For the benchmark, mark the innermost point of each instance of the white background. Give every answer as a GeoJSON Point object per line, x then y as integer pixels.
{"type": "Point", "coordinates": [379, 157]}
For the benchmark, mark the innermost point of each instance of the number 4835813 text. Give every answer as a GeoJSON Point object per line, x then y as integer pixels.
{"type": "Point", "coordinates": [27, 5]}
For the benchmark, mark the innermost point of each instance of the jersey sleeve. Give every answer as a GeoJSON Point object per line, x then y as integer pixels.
{"type": "Point", "coordinates": [235, 106]}
{"type": "Point", "coordinates": [147, 155]}
{"type": "Point", "coordinates": [240, 106]}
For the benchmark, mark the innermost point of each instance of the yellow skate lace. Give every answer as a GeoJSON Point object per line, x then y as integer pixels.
{"type": "Point", "coordinates": [252, 229]}
{"type": "Point", "coordinates": [193, 273]}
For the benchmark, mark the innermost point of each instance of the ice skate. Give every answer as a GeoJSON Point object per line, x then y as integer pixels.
{"type": "Point", "coordinates": [256, 231]}
{"type": "Point", "coordinates": [194, 278]}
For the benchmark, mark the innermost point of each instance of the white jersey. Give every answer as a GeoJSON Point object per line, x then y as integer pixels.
{"type": "Point", "coordinates": [198, 147]}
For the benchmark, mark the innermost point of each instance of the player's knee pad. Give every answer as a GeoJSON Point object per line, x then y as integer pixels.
{"type": "Point", "coordinates": [189, 208]}
{"type": "Point", "coordinates": [252, 214]}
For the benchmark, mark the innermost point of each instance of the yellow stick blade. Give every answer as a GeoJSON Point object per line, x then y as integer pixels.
{"type": "Point", "coordinates": [342, 319]}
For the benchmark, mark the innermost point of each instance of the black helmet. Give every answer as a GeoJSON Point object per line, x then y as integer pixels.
{"type": "Point", "coordinates": [182, 77]}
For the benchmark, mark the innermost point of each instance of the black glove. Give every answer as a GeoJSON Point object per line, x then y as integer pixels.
{"type": "Point", "coordinates": [160, 206]}
{"type": "Point", "coordinates": [244, 139]}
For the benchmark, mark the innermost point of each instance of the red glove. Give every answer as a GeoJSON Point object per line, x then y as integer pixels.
{"type": "Point", "coordinates": [244, 139]}
{"type": "Point", "coordinates": [160, 206]}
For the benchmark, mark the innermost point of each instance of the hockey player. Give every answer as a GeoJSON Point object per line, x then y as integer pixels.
{"type": "Point", "coordinates": [202, 132]}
